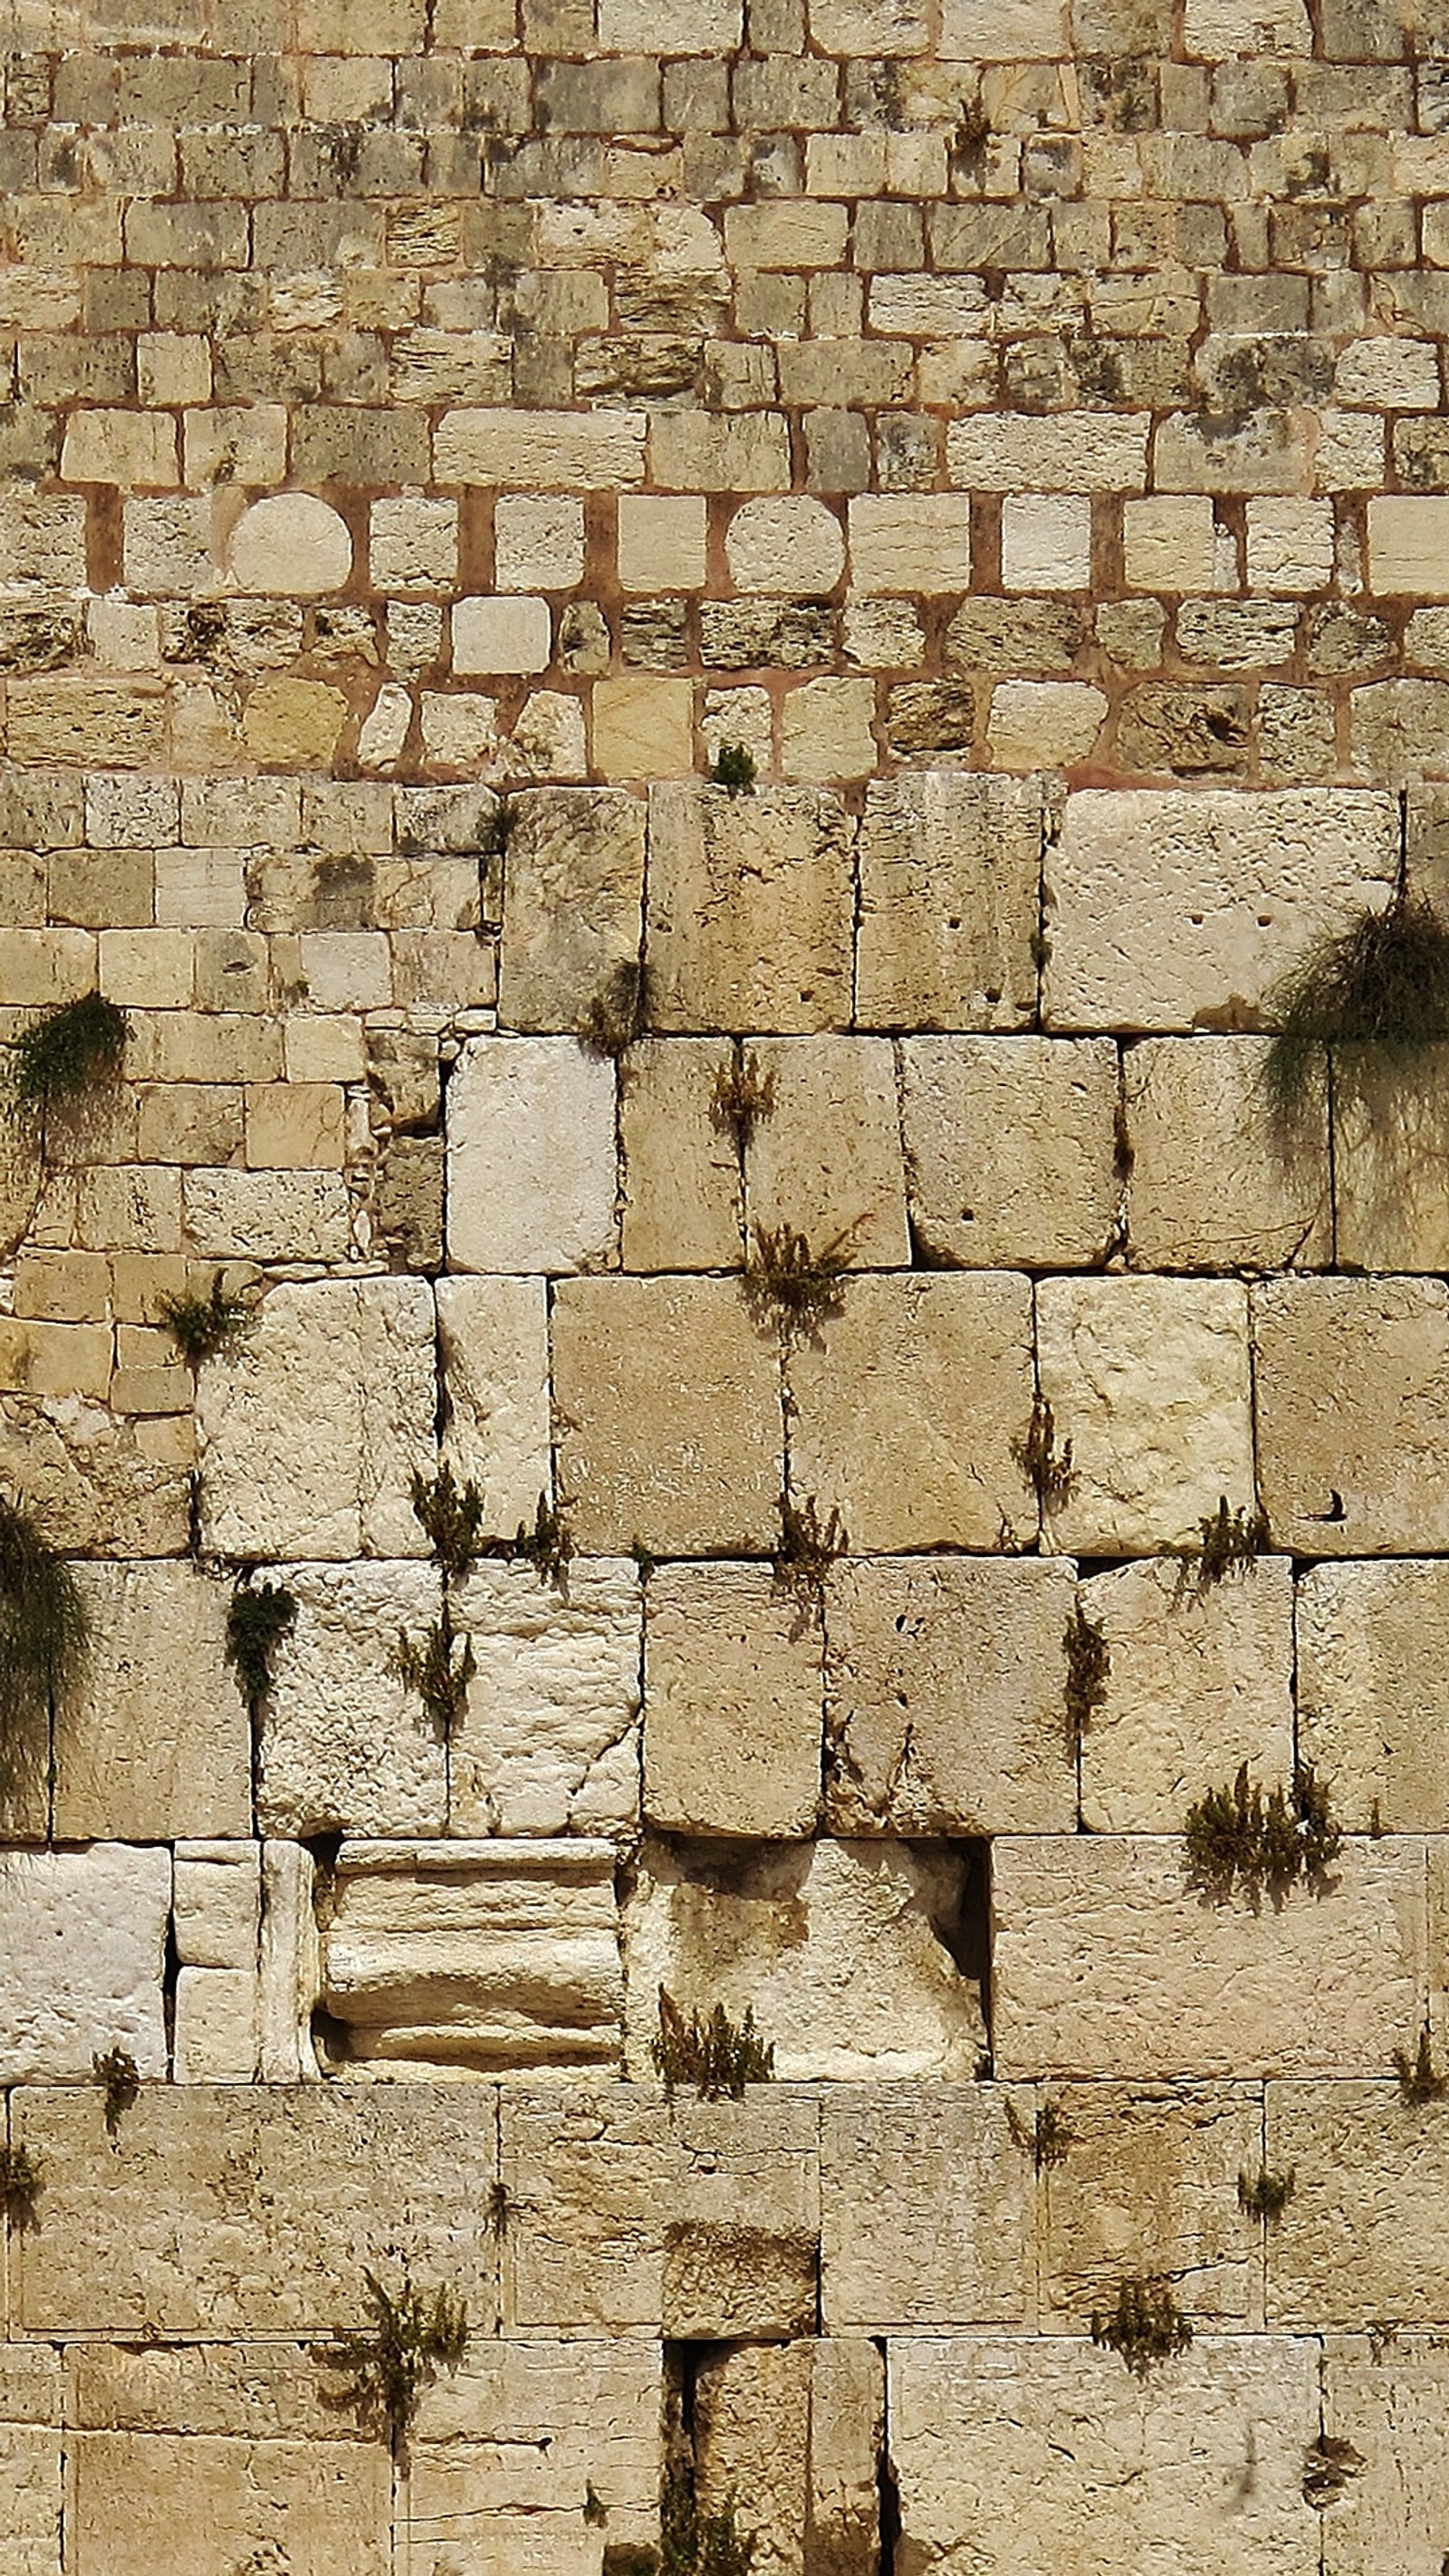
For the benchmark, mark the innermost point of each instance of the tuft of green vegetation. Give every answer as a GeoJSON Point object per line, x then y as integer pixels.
{"type": "Point", "coordinates": [1328, 2464]}
{"type": "Point", "coordinates": [734, 769]}
{"type": "Point", "coordinates": [43, 1628]}
{"type": "Point", "coordinates": [117, 2075]}
{"type": "Point", "coordinates": [1047, 1470]}
{"type": "Point", "coordinates": [1048, 2141]}
{"type": "Point", "coordinates": [429, 1666]}
{"type": "Point", "coordinates": [716, 2056]}
{"type": "Point", "coordinates": [1265, 2194]}
{"type": "Point", "coordinates": [595, 2509]}
{"type": "Point", "coordinates": [1146, 2326]}
{"type": "Point", "coordinates": [202, 1326]}
{"type": "Point", "coordinates": [618, 1013]}
{"type": "Point", "coordinates": [1089, 1666]}
{"type": "Point", "coordinates": [258, 1617]}
{"type": "Point", "coordinates": [408, 2342]}
{"type": "Point", "coordinates": [1230, 1543]}
{"type": "Point", "coordinates": [1419, 2078]}
{"type": "Point", "coordinates": [699, 2544]}
{"type": "Point", "coordinates": [66, 1056]}
{"type": "Point", "coordinates": [792, 1286]}
{"type": "Point", "coordinates": [450, 1519]}
{"type": "Point", "coordinates": [21, 2183]}
{"type": "Point", "coordinates": [548, 1547]}
{"type": "Point", "coordinates": [1236, 1836]}
{"type": "Point", "coordinates": [645, 1558]}
{"type": "Point", "coordinates": [808, 1548]}
{"type": "Point", "coordinates": [1376, 994]}
{"type": "Point", "coordinates": [742, 1097]}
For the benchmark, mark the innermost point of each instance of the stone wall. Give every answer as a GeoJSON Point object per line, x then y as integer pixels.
{"type": "Point", "coordinates": [431, 436]}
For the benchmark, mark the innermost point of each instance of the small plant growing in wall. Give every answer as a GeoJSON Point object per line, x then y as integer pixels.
{"type": "Point", "coordinates": [43, 1629]}
{"type": "Point", "coordinates": [1048, 2141]}
{"type": "Point", "coordinates": [1237, 1837]}
{"type": "Point", "coordinates": [693, 2543]}
{"type": "Point", "coordinates": [259, 1616]}
{"type": "Point", "coordinates": [202, 1326]}
{"type": "Point", "coordinates": [120, 2083]}
{"type": "Point", "coordinates": [734, 769]}
{"type": "Point", "coordinates": [1146, 2326]}
{"type": "Point", "coordinates": [1376, 994]}
{"type": "Point", "coordinates": [596, 2512]}
{"type": "Point", "coordinates": [791, 1285]}
{"type": "Point", "coordinates": [548, 1547]}
{"type": "Point", "coordinates": [439, 1666]}
{"type": "Point", "coordinates": [67, 1057]}
{"type": "Point", "coordinates": [618, 1012]}
{"type": "Point", "coordinates": [1419, 2079]}
{"type": "Point", "coordinates": [1266, 2194]}
{"type": "Point", "coordinates": [1328, 2464]}
{"type": "Point", "coordinates": [743, 1095]}
{"type": "Point", "coordinates": [808, 1548]}
{"type": "Point", "coordinates": [1089, 1666]}
{"type": "Point", "coordinates": [1230, 1543]}
{"type": "Point", "coordinates": [1047, 1469]}
{"type": "Point", "coordinates": [408, 2340]}
{"type": "Point", "coordinates": [714, 2054]}
{"type": "Point", "coordinates": [21, 2183]}
{"type": "Point", "coordinates": [451, 1518]}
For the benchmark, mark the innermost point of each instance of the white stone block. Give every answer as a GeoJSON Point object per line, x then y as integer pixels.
{"type": "Point", "coordinates": [531, 1156]}
{"type": "Point", "coordinates": [413, 545]}
{"type": "Point", "coordinates": [493, 1340]}
{"type": "Point", "coordinates": [1044, 724]}
{"type": "Point", "coordinates": [1009, 1149]}
{"type": "Point", "coordinates": [549, 1742]}
{"type": "Point", "coordinates": [501, 635]}
{"type": "Point", "coordinates": [1046, 541]}
{"type": "Point", "coordinates": [344, 1745]}
{"type": "Point", "coordinates": [538, 544]}
{"type": "Point", "coordinates": [216, 2034]}
{"type": "Point", "coordinates": [910, 542]}
{"type": "Point", "coordinates": [928, 2208]}
{"type": "Point", "coordinates": [507, 2447]}
{"type": "Point", "coordinates": [1290, 546]}
{"type": "Point", "coordinates": [1168, 543]}
{"type": "Point", "coordinates": [81, 1938]}
{"type": "Point", "coordinates": [290, 546]}
{"type": "Point", "coordinates": [793, 546]}
{"type": "Point", "coordinates": [1149, 1381]}
{"type": "Point", "coordinates": [216, 1907]}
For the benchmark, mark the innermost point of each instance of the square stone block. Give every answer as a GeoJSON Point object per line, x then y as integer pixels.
{"type": "Point", "coordinates": [531, 1156]}
{"type": "Point", "coordinates": [1373, 1648]}
{"type": "Point", "coordinates": [949, 901]}
{"type": "Point", "coordinates": [1352, 1391]}
{"type": "Point", "coordinates": [1149, 2187]}
{"type": "Point", "coordinates": [510, 2447]}
{"type": "Point", "coordinates": [1009, 1150]}
{"type": "Point", "coordinates": [137, 1758]}
{"type": "Point", "coordinates": [929, 2209]}
{"type": "Point", "coordinates": [750, 909]}
{"type": "Point", "coordinates": [549, 1740]}
{"type": "Point", "coordinates": [1197, 1683]}
{"type": "Point", "coordinates": [1360, 2239]}
{"type": "Point", "coordinates": [827, 1157]}
{"type": "Point", "coordinates": [82, 1935]}
{"type": "Point", "coordinates": [732, 1698]}
{"type": "Point", "coordinates": [1216, 1184]}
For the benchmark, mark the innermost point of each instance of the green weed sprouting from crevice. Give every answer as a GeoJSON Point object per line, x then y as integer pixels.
{"type": "Point", "coordinates": [695, 2543]}
{"type": "Point", "coordinates": [1146, 2327]}
{"type": "Point", "coordinates": [743, 1095]}
{"type": "Point", "coordinates": [548, 1547]}
{"type": "Point", "coordinates": [1328, 2464]}
{"type": "Point", "coordinates": [44, 1632]}
{"type": "Point", "coordinates": [1047, 1469]}
{"type": "Point", "coordinates": [1237, 1837]}
{"type": "Point", "coordinates": [118, 2076]}
{"type": "Point", "coordinates": [1048, 2141]}
{"type": "Point", "coordinates": [713, 2054]}
{"type": "Point", "coordinates": [430, 1666]}
{"type": "Point", "coordinates": [1419, 2078]}
{"type": "Point", "coordinates": [619, 1012]}
{"type": "Point", "coordinates": [259, 1616]}
{"type": "Point", "coordinates": [66, 1057]}
{"type": "Point", "coordinates": [392, 2360]}
{"type": "Point", "coordinates": [1089, 1668]}
{"type": "Point", "coordinates": [22, 2179]}
{"type": "Point", "coordinates": [1230, 1543]}
{"type": "Point", "coordinates": [793, 1287]}
{"type": "Point", "coordinates": [202, 1326]}
{"type": "Point", "coordinates": [1375, 995]}
{"type": "Point", "coordinates": [808, 1548]}
{"type": "Point", "coordinates": [733, 769]}
{"type": "Point", "coordinates": [450, 1517]}
{"type": "Point", "coordinates": [1266, 2194]}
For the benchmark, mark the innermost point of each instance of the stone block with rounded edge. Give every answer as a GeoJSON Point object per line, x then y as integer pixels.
{"type": "Point", "coordinates": [310, 1430]}
{"type": "Point", "coordinates": [1181, 908]}
{"type": "Point", "coordinates": [142, 1755]}
{"type": "Point", "coordinates": [945, 1696]}
{"type": "Point", "coordinates": [1217, 1182]}
{"type": "Point", "coordinates": [531, 1156]}
{"type": "Point", "coordinates": [1390, 1143]}
{"type": "Point", "coordinates": [1372, 1642]}
{"type": "Point", "coordinates": [750, 909]}
{"type": "Point", "coordinates": [510, 2445]}
{"type": "Point", "coordinates": [345, 1745]}
{"type": "Point", "coordinates": [1351, 1383]}
{"type": "Point", "coordinates": [1148, 2187]}
{"type": "Point", "coordinates": [291, 545]}
{"type": "Point", "coordinates": [1199, 1680]}
{"type": "Point", "coordinates": [949, 898]}
{"type": "Point", "coordinates": [683, 1206]}
{"type": "Point", "coordinates": [1388, 2396]}
{"type": "Point", "coordinates": [1359, 2241]}
{"type": "Point", "coordinates": [549, 1740]}
{"type": "Point", "coordinates": [793, 547]}
{"type": "Point", "coordinates": [1106, 1962]}
{"type": "Point", "coordinates": [573, 905]}
{"type": "Point", "coordinates": [1010, 1149]}
{"type": "Point", "coordinates": [847, 1953]}
{"type": "Point", "coordinates": [668, 1400]}
{"type": "Point", "coordinates": [928, 2208]}
{"type": "Point", "coordinates": [1149, 1381]}
{"type": "Point", "coordinates": [826, 1159]}
{"type": "Point", "coordinates": [732, 1700]}
{"type": "Point", "coordinates": [81, 1937]}
{"type": "Point", "coordinates": [493, 1343]}
{"type": "Point", "coordinates": [31, 2473]}
{"type": "Point", "coordinates": [908, 1406]}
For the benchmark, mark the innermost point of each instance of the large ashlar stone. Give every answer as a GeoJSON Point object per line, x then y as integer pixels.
{"type": "Point", "coordinates": [573, 902]}
{"type": "Point", "coordinates": [945, 1697]}
{"type": "Point", "coordinates": [928, 2208]}
{"type": "Point", "coordinates": [1216, 1183]}
{"type": "Point", "coordinates": [1352, 1390]}
{"type": "Point", "coordinates": [1149, 2187]}
{"type": "Point", "coordinates": [1361, 2238]}
{"type": "Point", "coordinates": [797, 2428]}
{"type": "Point", "coordinates": [669, 1405]}
{"type": "Point", "coordinates": [682, 1188]}
{"type": "Point", "coordinates": [1388, 2397]}
{"type": "Point", "coordinates": [628, 2213]}
{"type": "Point", "coordinates": [1373, 1641]}
{"type": "Point", "coordinates": [549, 1740]}
{"type": "Point", "coordinates": [950, 869]}
{"type": "Point", "coordinates": [474, 1957]}
{"type": "Point", "coordinates": [1149, 1381]}
{"type": "Point", "coordinates": [1009, 1150]}
{"type": "Point", "coordinates": [130, 2496]}
{"type": "Point", "coordinates": [531, 1156]}
{"type": "Point", "coordinates": [345, 1746]}
{"type": "Point", "coordinates": [1199, 1680]}
{"type": "Point", "coordinates": [1199, 2469]}
{"type": "Point", "coordinates": [92, 1484]}
{"type": "Point", "coordinates": [1390, 1145]}
{"type": "Point", "coordinates": [140, 1754]}
{"type": "Point", "coordinates": [847, 1953]}
{"type": "Point", "coordinates": [908, 1405]}
{"type": "Point", "coordinates": [733, 1727]}
{"type": "Point", "coordinates": [232, 2246]}
{"type": "Point", "coordinates": [1105, 1962]}
{"type": "Point", "coordinates": [827, 1158]}
{"type": "Point", "coordinates": [30, 2462]}
{"type": "Point", "coordinates": [508, 2450]}
{"type": "Point", "coordinates": [1178, 909]}
{"type": "Point", "coordinates": [750, 909]}
{"type": "Point", "coordinates": [311, 1429]}
{"type": "Point", "coordinates": [493, 1343]}
{"type": "Point", "coordinates": [81, 1937]}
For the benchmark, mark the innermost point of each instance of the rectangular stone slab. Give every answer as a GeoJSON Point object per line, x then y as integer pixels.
{"type": "Point", "coordinates": [928, 2206]}
{"type": "Point", "coordinates": [1362, 2237]}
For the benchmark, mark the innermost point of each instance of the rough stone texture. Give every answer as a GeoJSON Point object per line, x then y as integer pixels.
{"type": "Point", "coordinates": [509, 2448]}
{"type": "Point", "coordinates": [156, 1742]}
{"type": "Point", "coordinates": [1149, 2186]}
{"type": "Point", "coordinates": [82, 1934]}
{"type": "Point", "coordinates": [493, 1344]}
{"type": "Point", "coordinates": [574, 888]}
{"type": "Point", "coordinates": [130, 2494]}
{"type": "Point", "coordinates": [1352, 1385]}
{"type": "Point", "coordinates": [1370, 1644]}
{"type": "Point", "coordinates": [949, 870]}
{"type": "Point", "coordinates": [749, 909]}
{"type": "Point", "coordinates": [345, 1746]}
{"type": "Point", "coordinates": [1199, 1680]}
{"type": "Point", "coordinates": [733, 1704]}
{"type": "Point", "coordinates": [1215, 1182]}
{"type": "Point", "coordinates": [1009, 1150]}
{"type": "Point", "coordinates": [1359, 2240]}
{"type": "Point", "coordinates": [682, 1186]}
{"type": "Point", "coordinates": [1390, 1139]}
{"type": "Point", "coordinates": [928, 2207]}
{"type": "Point", "coordinates": [1387, 2399]}
{"type": "Point", "coordinates": [827, 1158]}
{"type": "Point", "coordinates": [30, 2462]}
{"type": "Point", "coordinates": [531, 1175]}
{"type": "Point", "coordinates": [798, 2428]}
{"type": "Point", "coordinates": [549, 1740]}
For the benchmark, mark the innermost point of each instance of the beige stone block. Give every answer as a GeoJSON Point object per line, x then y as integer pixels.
{"type": "Point", "coordinates": [231, 2247]}
{"type": "Point", "coordinates": [508, 634]}
{"type": "Point", "coordinates": [345, 1745]}
{"type": "Point", "coordinates": [643, 727]}
{"type": "Point", "coordinates": [1390, 1135]}
{"type": "Point", "coordinates": [749, 909]}
{"type": "Point", "coordinates": [30, 2462]}
{"type": "Point", "coordinates": [1010, 1150]}
{"type": "Point", "coordinates": [413, 544]}
{"type": "Point", "coordinates": [90, 1479]}
{"type": "Point", "coordinates": [1388, 374]}
{"type": "Point", "coordinates": [696, 451]}
{"type": "Point", "coordinates": [949, 893]}
{"type": "Point", "coordinates": [136, 449]}
{"type": "Point", "coordinates": [1258, 452]}
{"type": "Point", "coordinates": [538, 451]}
{"type": "Point", "coordinates": [908, 1409]}
{"type": "Point", "coordinates": [928, 2208]}
{"type": "Point", "coordinates": [146, 969]}
{"type": "Point", "coordinates": [1003, 30]}
{"type": "Point", "coordinates": [573, 903]}
{"type": "Point", "coordinates": [790, 547]}
{"type": "Point", "coordinates": [1046, 541]}
{"type": "Point", "coordinates": [45, 966]}
{"type": "Point", "coordinates": [1043, 724]}
{"type": "Point", "coordinates": [668, 1402]}
{"type": "Point", "coordinates": [1149, 1380]}
{"type": "Point", "coordinates": [1198, 1682]}
{"type": "Point", "coordinates": [266, 1216]}
{"type": "Point", "coordinates": [290, 545]}
{"type": "Point", "coordinates": [1385, 2397]}
{"type": "Point", "coordinates": [509, 2447]}
{"type": "Point", "coordinates": [1290, 546]}
{"type": "Point", "coordinates": [243, 443]}
{"type": "Point", "coordinates": [1169, 543]}
{"type": "Point", "coordinates": [460, 730]}
{"type": "Point", "coordinates": [138, 1759]}
{"type": "Point", "coordinates": [1175, 908]}
{"type": "Point", "coordinates": [786, 233]}
{"type": "Point", "coordinates": [826, 730]}
{"type": "Point", "coordinates": [294, 724]}
{"type": "Point", "coordinates": [630, 2213]}
{"type": "Point", "coordinates": [661, 542]}
{"type": "Point", "coordinates": [549, 1741]}
{"type": "Point", "coordinates": [916, 542]}
{"type": "Point", "coordinates": [130, 2494]}
{"type": "Point", "coordinates": [295, 1125]}
{"type": "Point", "coordinates": [189, 1122]}
{"type": "Point", "coordinates": [55, 1359]}
{"type": "Point", "coordinates": [1408, 536]}
{"type": "Point", "coordinates": [493, 1343]}
{"type": "Point", "coordinates": [64, 1287]}
{"type": "Point", "coordinates": [1351, 1388]}
{"type": "Point", "coordinates": [797, 2428]}
{"type": "Point", "coordinates": [81, 1935]}
{"type": "Point", "coordinates": [538, 544]}
{"type": "Point", "coordinates": [216, 1904]}
{"type": "Point", "coordinates": [1060, 452]}
{"type": "Point", "coordinates": [945, 1697]}
{"type": "Point", "coordinates": [216, 2032]}
{"type": "Point", "coordinates": [1371, 1641]}
{"type": "Point", "coordinates": [1357, 2242]}
{"type": "Point", "coordinates": [120, 722]}
{"type": "Point", "coordinates": [1247, 27]}
{"type": "Point", "coordinates": [531, 1156]}
{"type": "Point", "coordinates": [880, 27]}
{"type": "Point", "coordinates": [1148, 2187]}
{"type": "Point", "coordinates": [1216, 1183]}
{"type": "Point", "coordinates": [681, 1170]}
{"type": "Point", "coordinates": [827, 1158]}
{"type": "Point", "coordinates": [732, 1681]}
{"type": "Point", "coordinates": [42, 540]}
{"type": "Point", "coordinates": [1106, 1962]}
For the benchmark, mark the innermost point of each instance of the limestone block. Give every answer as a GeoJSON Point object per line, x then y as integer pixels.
{"type": "Point", "coordinates": [501, 635]}
{"type": "Point", "coordinates": [549, 1742]}
{"type": "Point", "coordinates": [732, 1734]}
{"type": "Point", "coordinates": [628, 2212]}
{"type": "Point", "coordinates": [1371, 1643]}
{"type": "Point", "coordinates": [291, 545]}
{"type": "Point", "coordinates": [574, 891]}
{"type": "Point", "coordinates": [1066, 452]}
{"type": "Point", "coordinates": [797, 2429]}
{"type": "Point", "coordinates": [538, 545]}
{"type": "Point", "coordinates": [1149, 1381]}
{"type": "Point", "coordinates": [1386, 2398]}
{"type": "Point", "coordinates": [1046, 541]}
{"type": "Point", "coordinates": [344, 1745]}
{"type": "Point", "coordinates": [1352, 1390]}
{"type": "Point", "coordinates": [232, 2245]}
{"type": "Point", "coordinates": [129, 2495]}
{"type": "Point", "coordinates": [493, 1342]}
{"type": "Point", "coordinates": [917, 542]}
{"type": "Point", "coordinates": [81, 1935]}
{"type": "Point", "coordinates": [643, 727]}
{"type": "Point", "coordinates": [661, 542]}
{"type": "Point", "coordinates": [682, 1191]}
{"type": "Point", "coordinates": [89, 1479]}
{"type": "Point", "coordinates": [1201, 2467]}
{"type": "Point", "coordinates": [789, 547]}
{"type": "Point", "coordinates": [1044, 724]}
{"type": "Point", "coordinates": [413, 544]}
{"type": "Point", "coordinates": [842, 1950]}
{"type": "Point", "coordinates": [291, 1968]}
{"type": "Point", "coordinates": [749, 909]}
{"type": "Point", "coordinates": [1170, 909]}
{"type": "Point", "coordinates": [949, 870]}
{"type": "Point", "coordinates": [311, 1429]}
{"type": "Point", "coordinates": [1216, 1183]}
{"type": "Point", "coordinates": [945, 1687]}
{"type": "Point", "coordinates": [217, 2032]}
{"type": "Point", "coordinates": [928, 2209]}
{"type": "Point", "coordinates": [541, 451]}
{"type": "Point", "coordinates": [1198, 1683]}
{"type": "Point", "coordinates": [880, 27]}
{"type": "Point", "coordinates": [140, 1755]}
{"type": "Point", "coordinates": [827, 1159]}
{"type": "Point", "coordinates": [30, 2462]}
{"type": "Point", "coordinates": [1009, 1150]}
{"type": "Point", "coordinates": [1105, 1962]}
{"type": "Point", "coordinates": [531, 1156]}
{"type": "Point", "coordinates": [266, 1216]}
{"type": "Point", "coordinates": [1357, 2241]}
{"type": "Point", "coordinates": [1149, 2187]}
{"type": "Point", "coordinates": [826, 730]}
{"type": "Point", "coordinates": [508, 2449]}
{"type": "Point", "coordinates": [473, 1957]}
{"type": "Point", "coordinates": [1408, 545]}
{"type": "Point", "coordinates": [1390, 1136]}
{"type": "Point", "coordinates": [1169, 542]}
{"type": "Point", "coordinates": [907, 1408]}
{"type": "Point", "coordinates": [668, 1401]}
{"type": "Point", "coordinates": [216, 1904]}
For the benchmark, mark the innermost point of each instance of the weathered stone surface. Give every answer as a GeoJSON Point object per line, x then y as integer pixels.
{"type": "Point", "coordinates": [1390, 1140]}
{"type": "Point", "coordinates": [669, 1406]}
{"type": "Point", "coordinates": [949, 901]}
{"type": "Point", "coordinates": [509, 2448]}
{"type": "Point", "coordinates": [682, 1187]}
{"type": "Point", "coordinates": [749, 909]}
{"type": "Point", "coordinates": [733, 1725]}
{"type": "Point", "coordinates": [907, 1409]}
{"type": "Point", "coordinates": [1198, 1681]}
{"type": "Point", "coordinates": [493, 1342]}
{"type": "Point", "coordinates": [1216, 1184]}
{"type": "Point", "coordinates": [945, 1697]}
{"type": "Point", "coordinates": [1360, 2238]}
{"type": "Point", "coordinates": [344, 1744]}
{"type": "Point", "coordinates": [216, 2028]}
{"type": "Point", "coordinates": [30, 2462]}
{"type": "Point", "coordinates": [531, 1156]}
{"type": "Point", "coordinates": [290, 1965]}
{"type": "Point", "coordinates": [847, 1953]}
{"type": "Point", "coordinates": [827, 1158]}
{"type": "Point", "coordinates": [89, 1480]}
{"type": "Point", "coordinates": [1009, 1150]}
{"type": "Point", "coordinates": [928, 2209]}
{"type": "Point", "coordinates": [549, 1740]}
{"type": "Point", "coordinates": [311, 1428]}
{"type": "Point", "coordinates": [1174, 910]}
{"type": "Point", "coordinates": [1148, 2187]}
{"type": "Point", "coordinates": [1387, 2398]}
{"type": "Point", "coordinates": [293, 543]}
{"type": "Point", "coordinates": [1105, 1962]}
{"type": "Point", "coordinates": [1371, 1646]}
{"type": "Point", "coordinates": [797, 2428]}
{"type": "Point", "coordinates": [81, 1935]}
{"type": "Point", "coordinates": [142, 1755]}
{"type": "Point", "coordinates": [574, 891]}
{"type": "Point", "coordinates": [1352, 1393]}
{"type": "Point", "coordinates": [1149, 1381]}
